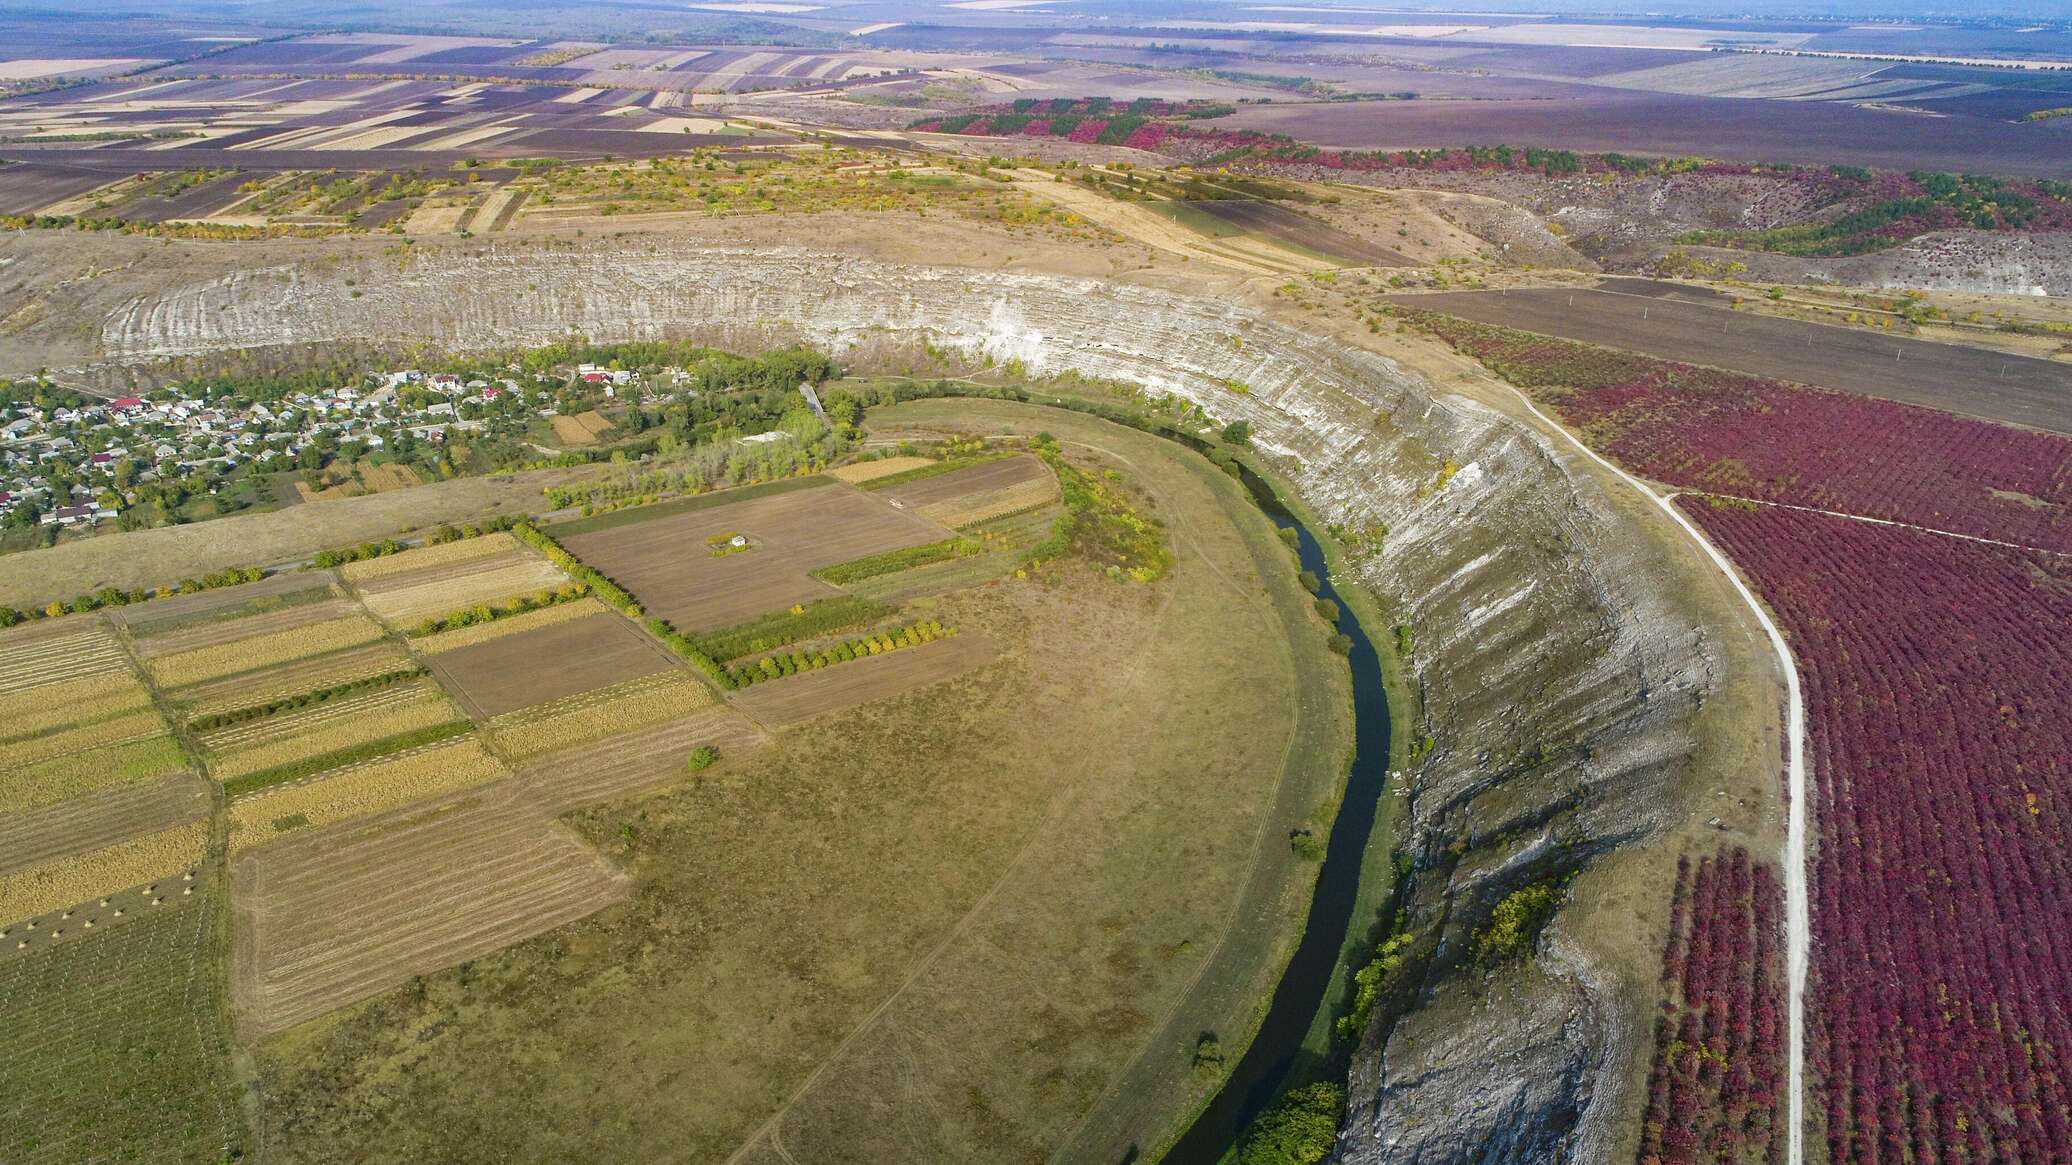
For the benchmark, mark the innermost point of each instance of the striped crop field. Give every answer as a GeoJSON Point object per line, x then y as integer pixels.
{"type": "Point", "coordinates": [499, 579]}
{"type": "Point", "coordinates": [59, 778]}
{"type": "Point", "coordinates": [223, 659]}
{"type": "Point", "coordinates": [424, 557]}
{"type": "Point", "coordinates": [66, 741]}
{"type": "Point", "coordinates": [68, 881]}
{"type": "Point", "coordinates": [511, 625]}
{"type": "Point", "coordinates": [362, 789]}
{"type": "Point", "coordinates": [577, 719]}
{"type": "Point", "coordinates": [971, 509]}
{"type": "Point", "coordinates": [33, 710]}
{"type": "Point", "coordinates": [293, 678]}
{"type": "Point", "coordinates": [35, 657]}
{"type": "Point", "coordinates": [242, 749]}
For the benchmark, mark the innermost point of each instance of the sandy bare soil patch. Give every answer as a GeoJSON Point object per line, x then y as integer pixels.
{"type": "Point", "coordinates": [847, 685]}
{"type": "Point", "coordinates": [863, 471]}
{"type": "Point", "coordinates": [667, 566]}
{"type": "Point", "coordinates": [639, 761]}
{"type": "Point", "coordinates": [326, 921]}
{"type": "Point", "coordinates": [548, 663]}
{"type": "Point", "coordinates": [98, 820]}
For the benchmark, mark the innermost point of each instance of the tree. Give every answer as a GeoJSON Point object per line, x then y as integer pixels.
{"type": "Point", "coordinates": [1237, 433]}
{"type": "Point", "coordinates": [1299, 1129]}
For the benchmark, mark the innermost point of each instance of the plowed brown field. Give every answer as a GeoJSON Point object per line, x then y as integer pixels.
{"type": "Point", "coordinates": [335, 918]}
{"type": "Point", "coordinates": [561, 659]}
{"type": "Point", "coordinates": [666, 565]}
{"type": "Point", "coordinates": [846, 685]}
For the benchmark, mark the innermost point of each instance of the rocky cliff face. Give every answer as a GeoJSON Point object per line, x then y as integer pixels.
{"type": "Point", "coordinates": [1561, 675]}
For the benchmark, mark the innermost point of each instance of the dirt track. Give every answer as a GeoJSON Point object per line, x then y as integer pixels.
{"type": "Point", "coordinates": [2011, 389]}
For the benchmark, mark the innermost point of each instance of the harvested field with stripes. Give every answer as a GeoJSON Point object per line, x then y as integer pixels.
{"type": "Point", "coordinates": [663, 561]}
{"type": "Point", "coordinates": [325, 922]}
{"type": "Point", "coordinates": [576, 719]}
{"type": "Point", "coordinates": [847, 685]}
{"type": "Point", "coordinates": [639, 761]}
{"type": "Point", "coordinates": [251, 689]}
{"type": "Point", "coordinates": [99, 820]}
{"type": "Point", "coordinates": [243, 655]}
{"type": "Point", "coordinates": [66, 741]}
{"type": "Point", "coordinates": [71, 880]}
{"type": "Point", "coordinates": [215, 633]}
{"type": "Point", "coordinates": [30, 710]}
{"type": "Point", "coordinates": [481, 633]}
{"type": "Point", "coordinates": [581, 429]}
{"type": "Point", "coordinates": [113, 1047]}
{"type": "Point", "coordinates": [990, 489]}
{"type": "Point", "coordinates": [504, 674]}
{"type": "Point", "coordinates": [327, 727]}
{"type": "Point", "coordinates": [426, 557]}
{"type": "Point", "coordinates": [406, 599]}
{"type": "Point", "coordinates": [360, 790]}
{"type": "Point", "coordinates": [257, 598]}
{"type": "Point", "coordinates": [60, 650]}
{"type": "Point", "coordinates": [51, 781]}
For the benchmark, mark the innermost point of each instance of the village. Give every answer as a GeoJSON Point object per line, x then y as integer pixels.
{"type": "Point", "coordinates": [92, 461]}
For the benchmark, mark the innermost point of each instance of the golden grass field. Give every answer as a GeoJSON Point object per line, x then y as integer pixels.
{"type": "Point", "coordinates": [69, 881]}
{"type": "Point", "coordinates": [863, 471]}
{"type": "Point", "coordinates": [71, 702]}
{"type": "Point", "coordinates": [444, 554]}
{"type": "Point", "coordinates": [362, 789]}
{"type": "Point", "coordinates": [581, 429]}
{"type": "Point", "coordinates": [511, 625]}
{"type": "Point", "coordinates": [498, 581]}
{"type": "Point", "coordinates": [207, 663]}
{"type": "Point", "coordinates": [577, 719]}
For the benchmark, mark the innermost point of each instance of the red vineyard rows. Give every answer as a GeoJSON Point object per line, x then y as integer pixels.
{"type": "Point", "coordinates": [1938, 679]}
{"type": "Point", "coordinates": [1713, 1090]}
{"type": "Point", "coordinates": [1748, 436]}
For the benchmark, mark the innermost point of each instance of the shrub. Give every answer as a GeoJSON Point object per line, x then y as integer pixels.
{"type": "Point", "coordinates": [1300, 1128]}
{"type": "Point", "coordinates": [1515, 924]}
{"type": "Point", "coordinates": [703, 757]}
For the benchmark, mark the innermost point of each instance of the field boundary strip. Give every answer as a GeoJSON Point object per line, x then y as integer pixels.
{"type": "Point", "coordinates": [1848, 517]}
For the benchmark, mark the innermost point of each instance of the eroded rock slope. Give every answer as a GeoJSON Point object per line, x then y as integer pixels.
{"type": "Point", "coordinates": [1562, 674]}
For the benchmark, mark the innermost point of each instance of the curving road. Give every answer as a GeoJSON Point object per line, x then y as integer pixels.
{"type": "Point", "coordinates": [1798, 926]}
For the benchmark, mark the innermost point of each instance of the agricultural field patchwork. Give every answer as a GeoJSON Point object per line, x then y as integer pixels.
{"type": "Point", "coordinates": [642, 760]}
{"type": "Point", "coordinates": [72, 880]}
{"type": "Point", "coordinates": [979, 493]}
{"type": "Point", "coordinates": [601, 712]}
{"type": "Point", "coordinates": [361, 789]}
{"type": "Point", "coordinates": [331, 726]}
{"type": "Point", "coordinates": [251, 654]}
{"type": "Point", "coordinates": [503, 674]}
{"type": "Point", "coordinates": [662, 561]}
{"type": "Point", "coordinates": [405, 599]}
{"type": "Point", "coordinates": [164, 640]}
{"type": "Point", "coordinates": [93, 821]}
{"type": "Point", "coordinates": [427, 557]}
{"type": "Point", "coordinates": [281, 681]}
{"type": "Point", "coordinates": [863, 681]}
{"type": "Point", "coordinates": [519, 624]}
{"type": "Point", "coordinates": [56, 652]}
{"type": "Point", "coordinates": [332, 920]}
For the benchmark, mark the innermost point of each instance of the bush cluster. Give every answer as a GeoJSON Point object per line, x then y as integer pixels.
{"type": "Point", "coordinates": [576, 568]}
{"type": "Point", "coordinates": [117, 597]}
{"type": "Point", "coordinates": [489, 613]}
